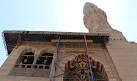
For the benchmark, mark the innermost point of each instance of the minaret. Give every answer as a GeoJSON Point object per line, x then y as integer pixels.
{"type": "Point", "coordinates": [95, 19]}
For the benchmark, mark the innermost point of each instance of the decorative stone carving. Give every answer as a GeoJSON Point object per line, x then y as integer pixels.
{"type": "Point", "coordinates": [95, 19]}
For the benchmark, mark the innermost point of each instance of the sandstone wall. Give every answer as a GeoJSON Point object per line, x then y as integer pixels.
{"type": "Point", "coordinates": [67, 53]}
{"type": "Point", "coordinates": [124, 56]}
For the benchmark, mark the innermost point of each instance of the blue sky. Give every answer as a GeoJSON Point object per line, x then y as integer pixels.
{"type": "Point", "coordinates": [63, 15]}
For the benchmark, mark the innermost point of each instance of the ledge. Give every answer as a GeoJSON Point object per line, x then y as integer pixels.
{"type": "Point", "coordinates": [14, 38]}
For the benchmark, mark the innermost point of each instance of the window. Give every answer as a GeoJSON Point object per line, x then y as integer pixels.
{"type": "Point", "coordinates": [44, 61]}
{"type": "Point", "coordinates": [29, 65]}
{"type": "Point", "coordinates": [26, 59]}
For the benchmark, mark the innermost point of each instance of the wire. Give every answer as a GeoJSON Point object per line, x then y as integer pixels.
{"type": "Point", "coordinates": [52, 70]}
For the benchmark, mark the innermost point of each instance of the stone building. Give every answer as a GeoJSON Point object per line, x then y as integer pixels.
{"type": "Point", "coordinates": [103, 54]}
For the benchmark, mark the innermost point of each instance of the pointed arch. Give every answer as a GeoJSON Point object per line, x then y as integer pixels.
{"type": "Point", "coordinates": [77, 69]}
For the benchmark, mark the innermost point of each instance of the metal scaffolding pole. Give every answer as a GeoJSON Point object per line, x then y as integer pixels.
{"type": "Point", "coordinates": [88, 60]}
{"type": "Point", "coordinates": [56, 58]}
{"type": "Point", "coordinates": [55, 61]}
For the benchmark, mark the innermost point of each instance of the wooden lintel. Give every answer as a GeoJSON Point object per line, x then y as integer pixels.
{"type": "Point", "coordinates": [70, 40]}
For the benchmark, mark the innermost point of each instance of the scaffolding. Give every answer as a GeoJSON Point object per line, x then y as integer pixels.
{"type": "Point", "coordinates": [88, 67]}
{"type": "Point", "coordinates": [55, 61]}
{"type": "Point", "coordinates": [88, 59]}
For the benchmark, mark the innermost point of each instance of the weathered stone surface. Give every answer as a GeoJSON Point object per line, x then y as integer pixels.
{"type": "Point", "coordinates": [95, 19]}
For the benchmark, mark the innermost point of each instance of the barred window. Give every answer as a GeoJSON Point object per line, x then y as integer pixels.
{"type": "Point", "coordinates": [26, 59]}
{"type": "Point", "coordinates": [29, 65]}
{"type": "Point", "coordinates": [44, 61]}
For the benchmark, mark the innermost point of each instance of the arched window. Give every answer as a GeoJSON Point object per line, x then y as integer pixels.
{"type": "Point", "coordinates": [27, 65]}
{"type": "Point", "coordinates": [44, 61]}
{"type": "Point", "coordinates": [26, 59]}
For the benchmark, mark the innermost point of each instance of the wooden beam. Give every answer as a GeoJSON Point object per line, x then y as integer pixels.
{"type": "Point", "coordinates": [70, 40]}
{"type": "Point", "coordinates": [18, 42]}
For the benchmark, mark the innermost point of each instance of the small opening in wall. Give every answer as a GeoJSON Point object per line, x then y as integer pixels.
{"type": "Point", "coordinates": [35, 67]}
{"type": "Point", "coordinates": [41, 67]}
{"type": "Point", "coordinates": [46, 67]}
{"type": "Point", "coordinates": [45, 60]}
{"type": "Point", "coordinates": [29, 66]}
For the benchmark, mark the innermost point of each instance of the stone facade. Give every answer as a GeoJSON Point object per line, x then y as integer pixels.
{"type": "Point", "coordinates": [112, 57]}
{"type": "Point", "coordinates": [68, 52]}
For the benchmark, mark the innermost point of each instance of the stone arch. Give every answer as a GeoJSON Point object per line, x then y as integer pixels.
{"type": "Point", "coordinates": [53, 51]}
{"type": "Point", "coordinates": [28, 50]}
{"type": "Point", "coordinates": [72, 57]}
{"type": "Point", "coordinates": [98, 69]}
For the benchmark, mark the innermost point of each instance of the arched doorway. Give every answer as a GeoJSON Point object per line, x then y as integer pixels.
{"type": "Point", "coordinates": [77, 70]}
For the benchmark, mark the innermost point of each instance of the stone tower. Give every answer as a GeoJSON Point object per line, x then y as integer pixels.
{"type": "Point", "coordinates": [103, 54]}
